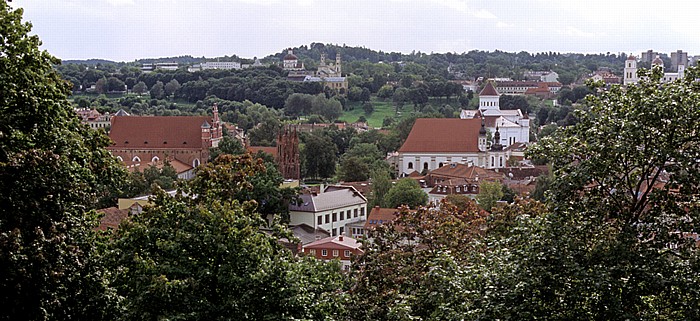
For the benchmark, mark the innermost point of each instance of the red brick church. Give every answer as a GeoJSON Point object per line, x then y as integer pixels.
{"type": "Point", "coordinates": [182, 140]}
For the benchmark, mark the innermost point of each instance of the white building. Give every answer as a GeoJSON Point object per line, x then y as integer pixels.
{"type": "Point", "coordinates": [631, 77]}
{"type": "Point", "coordinates": [224, 65]}
{"type": "Point", "coordinates": [331, 209]}
{"type": "Point", "coordinates": [513, 124]}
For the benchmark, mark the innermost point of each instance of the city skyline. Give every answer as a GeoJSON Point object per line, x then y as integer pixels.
{"type": "Point", "coordinates": [125, 30]}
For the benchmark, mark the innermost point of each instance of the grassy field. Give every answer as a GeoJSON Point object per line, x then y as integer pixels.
{"type": "Point", "coordinates": [383, 109]}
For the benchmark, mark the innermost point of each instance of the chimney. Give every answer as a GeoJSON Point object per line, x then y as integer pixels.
{"type": "Point", "coordinates": [340, 238]}
{"type": "Point", "coordinates": [321, 188]}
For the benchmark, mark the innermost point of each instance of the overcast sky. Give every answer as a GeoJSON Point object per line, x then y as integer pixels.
{"type": "Point", "coordinates": [125, 30]}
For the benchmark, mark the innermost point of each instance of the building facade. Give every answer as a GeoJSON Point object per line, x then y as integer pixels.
{"type": "Point", "coordinates": [139, 141]}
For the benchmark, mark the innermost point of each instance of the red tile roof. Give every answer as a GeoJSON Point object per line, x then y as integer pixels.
{"type": "Point", "coordinates": [157, 131]}
{"type": "Point", "coordinates": [270, 150]}
{"type": "Point", "coordinates": [381, 215]}
{"type": "Point", "coordinates": [443, 135]}
{"type": "Point", "coordinates": [465, 171]}
{"type": "Point", "coordinates": [113, 216]}
{"type": "Point", "coordinates": [489, 90]}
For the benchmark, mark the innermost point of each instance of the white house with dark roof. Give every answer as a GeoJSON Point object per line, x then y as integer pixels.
{"type": "Point", "coordinates": [330, 209]}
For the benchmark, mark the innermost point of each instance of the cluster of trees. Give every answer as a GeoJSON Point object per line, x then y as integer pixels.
{"type": "Point", "coordinates": [613, 238]}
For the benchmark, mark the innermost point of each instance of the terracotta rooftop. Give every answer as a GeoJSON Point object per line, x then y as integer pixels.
{"type": "Point", "coordinates": [269, 150]}
{"type": "Point", "coordinates": [113, 216]}
{"type": "Point", "coordinates": [489, 90]}
{"type": "Point", "coordinates": [456, 170]}
{"type": "Point", "coordinates": [157, 131]}
{"type": "Point", "coordinates": [381, 215]}
{"type": "Point", "coordinates": [443, 135]}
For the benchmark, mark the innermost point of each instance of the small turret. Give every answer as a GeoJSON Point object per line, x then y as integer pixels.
{"type": "Point", "coordinates": [496, 146]}
{"type": "Point", "coordinates": [482, 135]}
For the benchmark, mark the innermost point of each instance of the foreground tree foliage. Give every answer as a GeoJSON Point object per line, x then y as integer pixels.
{"type": "Point", "coordinates": [425, 264]}
{"type": "Point", "coordinates": [202, 256]}
{"type": "Point", "coordinates": [54, 171]}
{"type": "Point", "coordinates": [617, 244]}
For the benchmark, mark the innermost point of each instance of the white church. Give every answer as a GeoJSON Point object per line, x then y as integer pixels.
{"type": "Point", "coordinates": [513, 125]}
{"type": "Point", "coordinates": [631, 77]}
{"type": "Point", "coordinates": [436, 142]}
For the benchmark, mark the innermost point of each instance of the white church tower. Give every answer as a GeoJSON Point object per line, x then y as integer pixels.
{"type": "Point", "coordinates": [630, 76]}
{"type": "Point", "coordinates": [488, 98]}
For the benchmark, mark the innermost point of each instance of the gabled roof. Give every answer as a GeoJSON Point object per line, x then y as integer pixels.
{"type": "Point", "coordinates": [381, 215]}
{"type": "Point", "coordinates": [329, 200]}
{"type": "Point", "coordinates": [443, 135]}
{"type": "Point", "coordinates": [157, 131]}
{"type": "Point", "coordinates": [489, 90]}
{"type": "Point", "coordinates": [307, 234]}
{"type": "Point", "coordinates": [339, 242]}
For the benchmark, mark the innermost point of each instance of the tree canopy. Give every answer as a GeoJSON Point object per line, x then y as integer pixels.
{"type": "Point", "coordinates": [54, 172]}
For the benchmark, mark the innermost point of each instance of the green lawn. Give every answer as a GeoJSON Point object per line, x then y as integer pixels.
{"type": "Point", "coordinates": [383, 109]}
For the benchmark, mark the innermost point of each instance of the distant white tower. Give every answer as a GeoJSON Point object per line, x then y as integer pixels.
{"type": "Point", "coordinates": [630, 76]}
{"type": "Point", "coordinates": [489, 98]}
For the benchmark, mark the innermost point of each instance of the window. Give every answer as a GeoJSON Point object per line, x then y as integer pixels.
{"type": "Point", "coordinates": [335, 231]}
{"type": "Point", "coordinates": [425, 165]}
{"type": "Point", "coordinates": [493, 161]}
{"type": "Point", "coordinates": [355, 213]}
{"type": "Point", "coordinates": [324, 252]}
{"type": "Point", "coordinates": [440, 165]}
{"type": "Point", "coordinates": [342, 215]}
{"type": "Point", "coordinates": [328, 218]}
{"type": "Point", "coordinates": [312, 252]}
{"type": "Point", "coordinates": [154, 159]}
{"type": "Point", "coordinates": [319, 220]}
{"type": "Point", "coordinates": [120, 158]}
{"type": "Point", "coordinates": [500, 161]}
{"type": "Point", "coordinates": [335, 253]}
{"type": "Point", "coordinates": [195, 162]}
{"type": "Point", "coordinates": [335, 217]}
{"type": "Point", "coordinates": [347, 253]}
{"type": "Point", "coordinates": [342, 230]}
{"type": "Point", "coordinates": [410, 165]}
{"type": "Point", "coordinates": [136, 159]}
{"type": "Point", "coordinates": [362, 211]}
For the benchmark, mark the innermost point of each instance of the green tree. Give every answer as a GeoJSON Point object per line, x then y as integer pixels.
{"type": "Point", "coordinates": [489, 194]}
{"type": "Point", "coordinates": [411, 270]}
{"type": "Point", "coordinates": [353, 169]}
{"type": "Point", "coordinates": [227, 145]}
{"type": "Point", "coordinates": [623, 200]}
{"type": "Point", "coordinates": [54, 171]}
{"type": "Point", "coordinates": [381, 183]}
{"type": "Point", "coordinates": [205, 257]}
{"type": "Point", "coordinates": [406, 192]}
{"type": "Point", "coordinates": [386, 92]}
{"type": "Point", "coordinates": [157, 91]}
{"type": "Point", "coordinates": [319, 154]}
{"type": "Point", "coordinates": [140, 88]}
{"type": "Point", "coordinates": [171, 87]}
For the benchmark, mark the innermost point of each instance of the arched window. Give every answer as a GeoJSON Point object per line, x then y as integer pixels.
{"type": "Point", "coordinates": [410, 165]}
{"type": "Point", "coordinates": [500, 161]}
{"type": "Point", "coordinates": [440, 165]}
{"type": "Point", "coordinates": [425, 165]}
{"type": "Point", "coordinates": [120, 158]}
{"type": "Point", "coordinates": [154, 159]}
{"type": "Point", "coordinates": [136, 159]}
{"type": "Point", "coordinates": [195, 162]}
{"type": "Point", "coordinates": [493, 161]}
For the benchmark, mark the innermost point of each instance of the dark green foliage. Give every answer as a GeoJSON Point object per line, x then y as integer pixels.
{"type": "Point", "coordinates": [54, 171]}
{"type": "Point", "coordinates": [319, 156]}
{"type": "Point", "coordinates": [406, 192]}
{"type": "Point", "coordinates": [205, 258]}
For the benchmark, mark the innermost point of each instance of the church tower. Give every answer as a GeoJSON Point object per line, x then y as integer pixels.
{"type": "Point", "coordinates": [630, 76]}
{"type": "Point", "coordinates": [489, 98]}
{"type": "Point", "coordinates": [482, 135]}
{"type": "Point", "coordinates": [338, 68]}
{"type": "Point", "coordinates": [288, 153]}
